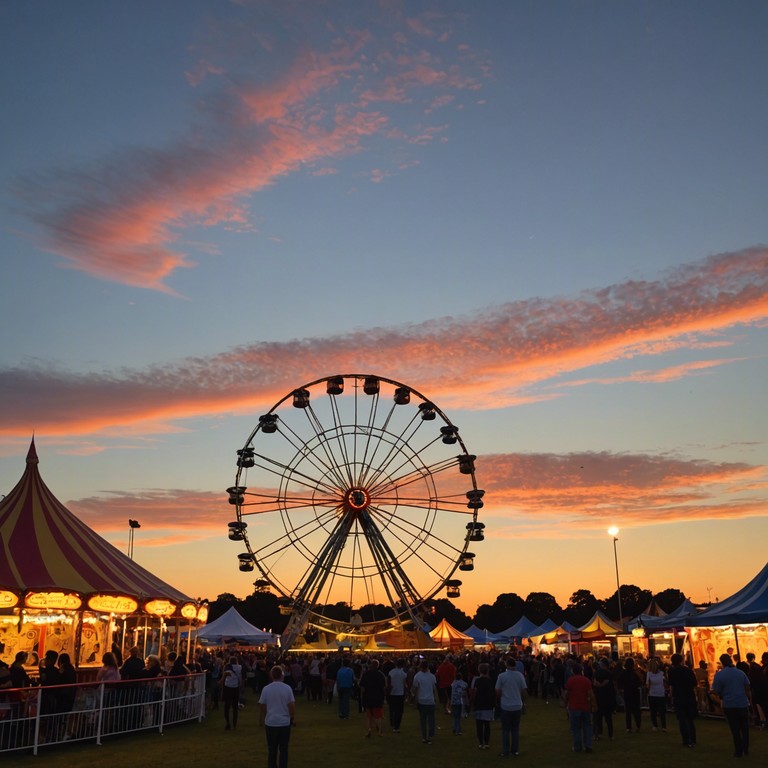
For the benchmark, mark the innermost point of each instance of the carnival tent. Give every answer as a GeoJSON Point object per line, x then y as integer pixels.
{"type": "Point", "coordinates": [45, 548]}
{"type": "Point", "coordinates": [546, 632]}
{"type": "Point", "coordinates": [520, 629]}
{"type": "Point", "coordinates": [232, 626]}
{"type": "Point", "coordinates": [599, 626]}
{"type": "Point", "coordinates": [677, 618]}
{"type": "Point", "coordinates": [445, 636]}
{"type": "Point", "coordinates": [65, 588]}
{"type": "Point", "coordinates": [481, 635]}
{"type": "Point", "coordinates": [748, 606]}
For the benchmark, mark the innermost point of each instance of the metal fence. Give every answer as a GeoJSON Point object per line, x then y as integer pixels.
{"type": "Point", "coordinates": [31, 718]}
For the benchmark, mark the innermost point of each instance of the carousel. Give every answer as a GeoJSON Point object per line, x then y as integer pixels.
{"type": "Point", "coordinates": [65, 588]}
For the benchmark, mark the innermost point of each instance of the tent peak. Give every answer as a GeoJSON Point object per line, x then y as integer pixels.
{"type": "Point", "coordinates": [32, 453]}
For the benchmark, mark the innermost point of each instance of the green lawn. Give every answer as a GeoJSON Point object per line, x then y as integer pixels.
{"type": "Point", "coordinates": [321, 739]}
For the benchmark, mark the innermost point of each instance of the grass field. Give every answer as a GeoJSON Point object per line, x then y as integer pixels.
{"type": "Point", "coordinates": [321, 739]}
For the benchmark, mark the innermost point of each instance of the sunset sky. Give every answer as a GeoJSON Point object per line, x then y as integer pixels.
{"type": "Point", "coordinates": [550, 218]}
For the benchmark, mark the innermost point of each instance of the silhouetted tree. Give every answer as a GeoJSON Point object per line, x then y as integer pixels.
{"type": "Point", "coordinates": [221, 605]}
{"type": "Point", "coordinates": [540, 606]}
{"type": "Point", "coordinates": [633, 602]}
{"type": "Point", "coordinates": [443, 608]}
{"type": "Point", "coordinates": [581, 607]}
{"type": "Point", "coordinates": [262, 609]}
{"type": "Point", "coordinates": [669, 599]}
{"type": "Point", "coordinates": [505, 611]}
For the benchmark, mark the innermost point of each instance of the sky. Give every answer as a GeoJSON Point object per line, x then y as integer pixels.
{"type": "Point", "coordinates": [550, 218]}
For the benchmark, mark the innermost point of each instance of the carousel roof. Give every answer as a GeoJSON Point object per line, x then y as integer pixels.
{"type": "Point", "coordinates": [44, 547]}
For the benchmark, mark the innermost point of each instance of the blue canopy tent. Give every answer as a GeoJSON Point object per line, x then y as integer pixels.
{"type": "Point", "coordinates": [519, 630]}
{"type": "Point", "coordinates": [481, 636]}
{"type": "Point", "coordinates": [737, 625]}
{"type": "Point", "coordinates": [677, 618]}
{"type": "Point", "coordinates": [748, 606]}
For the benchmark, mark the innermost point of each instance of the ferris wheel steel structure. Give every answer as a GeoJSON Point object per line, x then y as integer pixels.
{"type": "Point", "coordinates": [359, 491]}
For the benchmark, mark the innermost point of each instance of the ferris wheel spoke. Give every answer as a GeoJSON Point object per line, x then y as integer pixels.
{"type": "Point", "coordinates": [414, 538]}
{"type": "Point", "coordinates": [414, 474]}
{"type": "Point", "coordinates": [282, 470]}
{"type": "Point", "coordinates": [302, 447]}
{"type": "Point", "coordinates": [295, 534]}
{"type": "Point", "coordinates": [381, 459]}
{"type": "Point", "coordinates": [324, 440]}
{"type": "Point", "coordinates": [387, 562]}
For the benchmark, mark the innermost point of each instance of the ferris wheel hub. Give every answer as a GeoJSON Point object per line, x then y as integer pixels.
{"type": "Point", "coordinates": [358, 499]}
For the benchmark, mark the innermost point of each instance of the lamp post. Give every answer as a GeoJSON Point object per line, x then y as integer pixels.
{"type": "Point", "coordinates": [614, 531]}
{"type": "Point", "coordinates": [132, 526]}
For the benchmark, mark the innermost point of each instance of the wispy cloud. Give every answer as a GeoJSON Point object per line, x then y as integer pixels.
{"type": "Point", "coordinates": [517, 352]}
{"type": "Point", "coordinates": [122, 219]}
{"type": "Point", "coordinates": [531, 495]}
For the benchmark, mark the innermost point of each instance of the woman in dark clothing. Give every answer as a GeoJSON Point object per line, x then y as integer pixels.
{"type": "Point", "coordinates": [631, 686]}
{"type": "Point", "coordinates": [605, 698]}
{"type": "Point", "coordinates": [482, 697]}
{"type": "Point", "coordinates": [65, 696]}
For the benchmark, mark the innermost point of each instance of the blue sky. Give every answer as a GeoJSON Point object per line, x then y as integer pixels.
{"type": "Point", "coordinates": [548, 217]}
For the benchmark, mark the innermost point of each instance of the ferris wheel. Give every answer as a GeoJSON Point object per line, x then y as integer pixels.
{"type": "Point", "coordinates": [353, 491]}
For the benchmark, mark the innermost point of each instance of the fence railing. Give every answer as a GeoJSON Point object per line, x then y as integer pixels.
{"type": "Point", "coordinates": [48, 715]}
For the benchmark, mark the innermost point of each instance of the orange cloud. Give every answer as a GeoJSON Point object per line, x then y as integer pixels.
{"type": "Point", "coordinates": [122, 220]}
{"type": "Point", "coordinates": [527, 495]}
{"type": "Point", "coordinates": [516, 353]}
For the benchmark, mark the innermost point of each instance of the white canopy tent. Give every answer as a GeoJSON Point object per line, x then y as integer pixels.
{"type": "Point", "coordinates": [232, 626]}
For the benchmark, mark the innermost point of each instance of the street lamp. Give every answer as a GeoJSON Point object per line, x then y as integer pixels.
{"type": "Point", "coordinates": [132, 526]}
{"type": "Point", "coordinates": [614, 531]}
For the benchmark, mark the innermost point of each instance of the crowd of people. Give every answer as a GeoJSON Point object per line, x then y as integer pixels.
{"type": "Point", "coordinates": [488, 687]}
{"type": "Point", "coordinates": [470, 686]}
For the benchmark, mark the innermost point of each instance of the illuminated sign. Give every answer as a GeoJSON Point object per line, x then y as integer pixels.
{"type": "Point", "coordinates": [160, 607]}
{"type": "Point", "coordinates": [8, 599]}
{"type": "Point", "coordinates": [189, 611]}
{"type": "Point", "coordinates": [112, 604]}
{"type": "Point", "coordinates": [62, 601]}
{"type": "Point", "coordinates": [202, 614]}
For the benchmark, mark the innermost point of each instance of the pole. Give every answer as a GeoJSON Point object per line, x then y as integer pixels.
{"type": "Point", "coordinates": [618, 583]}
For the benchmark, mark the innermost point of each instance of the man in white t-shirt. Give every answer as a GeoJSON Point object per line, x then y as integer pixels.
{"type": "Point", "coordinates": [424, 690]}
{"type": "Point", "coordinates": [278, 708]}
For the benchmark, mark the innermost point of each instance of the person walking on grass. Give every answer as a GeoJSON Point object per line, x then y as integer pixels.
{"type": "Point", "coordinates": [580, 701]}
{"type": "Point", "coordinates": [373, 686]}
{"type": "Point", "coordinates": [483, 699]}
{"type": "Point", "coordinates": [731, 685]}
{"type": "Point", "coordinates": [424, 691]}
{"type": "Point", "coordinates": [511, 691]}
{"type": "Point", "coordinates": [682, 683]}
{"type": "Point", "coordinates": [277, 713]}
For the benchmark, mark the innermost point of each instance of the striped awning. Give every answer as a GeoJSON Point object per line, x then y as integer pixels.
{"type": "Point", "coordinates": [44, 548]}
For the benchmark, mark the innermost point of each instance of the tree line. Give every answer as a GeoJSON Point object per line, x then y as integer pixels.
{"type": "Point", "coordinates": [262, 608]}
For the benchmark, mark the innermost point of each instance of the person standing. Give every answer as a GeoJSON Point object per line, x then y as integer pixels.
{"type": "Point", "coordinates": [345, 682]}
{"type": "Point", "coordinates": [277, 714]}
{"type": "Point", "coordinates": [682, 683]}
{"type": "Point", "coordinates": [459, 701]}
{"type": "Point", "coordinates": [231, 682]}
{"type": "Point", "coordinates": [445, 674]}
{"type": "Point", "coordinates": [731, 685]}
{"type": "Point", "coordinates": [483, 698]}
{"type": "Point", "coordinates": [579, 701]}
{"type": "Point", "coordinates": [511, 691]}
{"type": "Point", "coordinates": [657, 695]}
{"type": "Point", "coordinates": [424, 690]}
{"type": "Point", "coordinates": [759, 684]}
{"type": "Point", "coordinates": [396, 684]}
{"type": "Point", "coordinates": [605, 698]}
{"type": "Point", "coordinates": [373, 686]}
{"type": "Point", "coordinates": [631, 685]}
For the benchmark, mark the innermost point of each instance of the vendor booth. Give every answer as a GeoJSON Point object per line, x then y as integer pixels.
{"type": "Point", "coordinates": [64, 588]}
{"type": "Point", "coordinates": [446, 636]}
{"type": "Point", "coordinates": [737, 625]}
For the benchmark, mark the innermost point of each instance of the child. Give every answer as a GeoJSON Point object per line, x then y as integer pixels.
{"type": "Point", "coordinates": [458, 701]}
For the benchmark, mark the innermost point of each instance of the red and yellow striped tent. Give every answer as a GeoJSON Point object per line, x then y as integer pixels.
{"type": "Point", "coordinates": [61, 580]}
